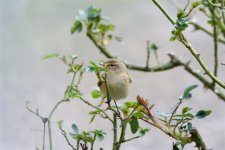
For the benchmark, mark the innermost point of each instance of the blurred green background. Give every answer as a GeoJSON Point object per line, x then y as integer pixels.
{"type": "Point", "coordinates": [31, 29]}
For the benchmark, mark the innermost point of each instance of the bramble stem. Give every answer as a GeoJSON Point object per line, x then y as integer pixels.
{"type": "Point", "coordinates": [173, 63]}
{"type": "Point", "coordinates": [114, 132]}
{"type": "Point", "coordinates": [199, 27]}
{"type": "Point", "coordinates": [215, 40]}
{"type": "Point", "coordinates": [49, 123]}
{"type": "Point", "coordinates": [184, 41]}
{"type": "Point", "coordinates": [168, 16]}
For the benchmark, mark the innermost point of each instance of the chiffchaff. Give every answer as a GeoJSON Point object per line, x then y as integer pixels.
{"type": "Point", "coordinates": [117, 79]}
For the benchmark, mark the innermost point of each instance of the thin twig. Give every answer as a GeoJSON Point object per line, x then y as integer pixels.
{"type": "Point", "coordinates": [127, 140]}
{"type": "Point", "coordinates": [174, 111]}
{"type": "Point", "coordinates": [168, 16]}
{"type": "Point", "coordinates": [36, 113]}
{"type": "Point", "coordinates": [223, 10]}
{"type": "Point", "coordinates": [199, 27]}
{"type": "Point", "coordinates": [67, 140]}
{"type": "Point", "coordinates": [215, 40]}
{"type": "Point", "coordinates": [214, 5]}
{"type": "Point", "coordinates": [85, 101]}
{"type": "Point", "coordinates": [148, 54]}
{"type": "Point", "coordinates": [44, 120]}
{"type": "Point", "coordinates": [173, 63]}
{"type": "Point", "coordinates": [132, 112]}
{"type": "Point", "coordinates": [43, 145]}
{"type": "Point", "coordinates": [190, 48]}
{"type": "Point", "coordinates": [114, 132]}
{"type": "Point", "coordinates": [118, 112]}
{"type": "Point", "coordinates": [49, 122]}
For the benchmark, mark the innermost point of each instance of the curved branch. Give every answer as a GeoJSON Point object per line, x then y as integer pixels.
{"type": "Point", "coordinates": [173, 63]}
{"type": "Point", "coordinates": [199, 27]}
{"type": "Point", "coordinates": [191, 49]}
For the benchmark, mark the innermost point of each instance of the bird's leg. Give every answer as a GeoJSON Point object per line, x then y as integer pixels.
{"type": "Point", "coordinates": [117, 107]}
{"type": "Point", "coordinates": [108, 101]}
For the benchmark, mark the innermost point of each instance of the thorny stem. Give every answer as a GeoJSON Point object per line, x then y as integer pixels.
{"type": "Point", "coordinates": [148, 54]}
{"type": "Point", "coordinates": [92, 144]}
{"type": "Point", "coordinates": [168, 16]}
{"type": "Point", "coordinates": [214, 5]}
{"type": "Point", "coordinates": [215, 39]}
{"type": "Point", "coordinates": [199, 27]}
{"type": "Point", "coordinates": [88, 103]}
{"type": "Point", "coordinates": [173, 63]}
{"type": "Point", "coordinates": [114, 132]}
{"type": "Point", "coordinates": [43, 145]}
{"type": "Point", "coordinates": [132, 111]}
{"type": "Point", "coordinates": [223, 10]}
{"type": "Point", "coordinates": [67, 140]}
{"type": "Point", "coordinates": [49, 122]}
{"type": "Point", "coordinates": [202, 64]}
{"type": "Point", "coordinates": [174, 111]}
{"type": "Point", "coordinates": [44, 120]}
{"type": "Point", "coordinates": [127, 140]}
{"type": "Point", "coordinates": [122, 134]}
{"type": "Point", "coordinates": [190, 48]}
{"type": "Point", "coordinates": [78, 144]}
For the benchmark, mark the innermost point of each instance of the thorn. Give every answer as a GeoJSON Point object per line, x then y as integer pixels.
{"type": "Point", "coordinates": [198, 54]}
{"type": "Point", "coordinates": [205, 87]}
{"type": "Point", "coordinates": [108, 101]}
{"type": "Point", "coordinates": [171, 55]}
{"type": "Point", "coordinates": [204, 73]}
{"type": "Point", "coordinates": [44, 120]}
{"type": "Point", "coordinates": [188, 62]}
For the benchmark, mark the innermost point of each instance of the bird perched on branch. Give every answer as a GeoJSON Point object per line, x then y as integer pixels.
{"type": "Point", "coordinates": [116, 79]}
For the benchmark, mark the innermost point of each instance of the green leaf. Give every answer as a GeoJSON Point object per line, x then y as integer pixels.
{"type": "Point", "coordinates": [154, 47]}
{"type": "Point", "coordinates": [75, 128]}
{"type": "Point", "coordinates": [196, 4]}
{"type": "Point", "coordinates": [187, 94]}
{"type": "Point", "coordinates": [185, 109]}
{"type": "Point", "coordinates": [188, 115]}
{"type": "Point", "coordinates": [119, 39]}
{"type": "Point", "coordinates": [138, 115]}
{"type": "Point", "coordinates": [77, 27]}
{"type": "Point", "coordinates": [95, 112]}
{"type": "Point", "coordinates": [175, 147]}
{"type": "Point", "coordinates": [93, 13]}
{"type": "Point", "coordinates": [73, 57]}
{"type": "Point", "coordinates": [90, 69]}
{"type": "Point", "coordinates": [134, 125]}
{"type": "Point", "coordinates": [72, 92]}
{"type": "Point", "coordinates": [130, 104]}
{"type": "Point", "coordinates": [73, 135]}
{"type": "Point", "coordinates": [142, 131]}
{"type": "Point", "coordinates": [78, 136]}
{"type": "Point", "coordinates": [189, 126]}
{"type": "Point", "coordinates": [93, 64]}
{"type": "Point", "coordinates": [96, 93]}
{"type": "Point", "coordinates": [202, 114]}
{"type": "Point", "coordinates": [100, 136]}
{"type": "Point", "coordinates": [92, 119]}
{"type": "Point", "coordinates": [60, 124]}
{"type": "Point", "coordinates": [180, 13]}
{"type": "Point", "coordinates": [50, 56]}
{"type": "Point", "coordinates": [83, 15]}
{"type": "Point", "coordinates": [173, 38]}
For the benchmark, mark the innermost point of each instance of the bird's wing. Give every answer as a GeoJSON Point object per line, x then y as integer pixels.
{"type": "Point", "coordinates": [130, 80]}
{"type": "Point", "coordinates": [99, 83]}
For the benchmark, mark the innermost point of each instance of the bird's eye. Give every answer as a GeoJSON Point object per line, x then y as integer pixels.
{"type": "Point", "coordinates": [111, 65]}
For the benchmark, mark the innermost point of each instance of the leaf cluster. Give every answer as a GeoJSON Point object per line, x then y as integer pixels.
{"type": "Point", "coordinates": [96, 24]}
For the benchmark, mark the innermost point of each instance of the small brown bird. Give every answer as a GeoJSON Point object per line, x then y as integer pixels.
{"type": "Point", "coordinates": [117, 79]}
